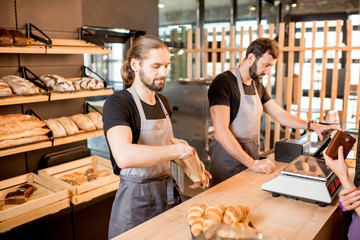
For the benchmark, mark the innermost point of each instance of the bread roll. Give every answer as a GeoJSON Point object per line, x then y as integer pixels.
{"type": "Point", "coordinates": [27, 133]}
{"type": "Point", "coordinates": [96, 118]}
{"type": "Point", "coordinates": [89, 83]}
{"type": "Point", "coordinates": [8, 143]}
{"type": "Point", "coordinates": [19, 37]}
{"type": "Point", "coordinates": [20, 85]}
{"type": "Point", "coordinates": [216, 211]}
{"type": "Point", "coordinates": [50, 80]}
{"type": "Point", "coordinates": [56, 128]}
{"type": "Point", "coordinates": [16, 127]}
{"type": "Point", "coordinates": [103, 173]}
{"type": "Point", "coordinates": [5, 36]}
{"type": "Point", "coordinates": [83, 122]}
{"type": "Point", "coordinates": [5, 90]}
{"type": "Point", "coordinates": [16, 197]}
{"type": "Point", "coordinates": [15, 118]}
{"type": "Point", "coordinates": [69, 126]}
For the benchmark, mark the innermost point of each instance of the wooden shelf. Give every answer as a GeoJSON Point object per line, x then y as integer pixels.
{"type": "Point", "coordinates": [53, 96]}
{"type": "Point", "coordinates": [25, 148]}
{"type": "Point", "coordinates": [77, 137]}
{"type": "Point", "coordinates": [59, 46]}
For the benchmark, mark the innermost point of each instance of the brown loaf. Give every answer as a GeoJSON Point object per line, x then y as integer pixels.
{"type": "Point", "coordinates": [16, 197]}
{"type": "Point", "coordinates": [50, 80]}
{"type": "Point", "coordinates": [83, 122]}
{"type": "Point", "coordinates": [27, 133]}
{"type": "Point", "coordinates": [67, 86]}
{"type": "Point", "coordinates": [8, 143]}
{"type": "Point", "coordinates": [15, 127]}
{"type": "Point", "coordinates": [19, 37]}
{"type": "Point", "coordinates": [89, 83]}
{"type": "Point", "coordinates": [5, 90]}
{"type": "Point", "coordinates": [5, 36]}
{"type": "Point", "coordinates": [20, 85]}
{"type": "Point", "coordinates": [15, 118]}
{"type": "Point", "coordinates": [56, 128]}
{"type": "Point", "coordinates": [68, 124]}
{"type": "Point", "coordinates": [96, 118]}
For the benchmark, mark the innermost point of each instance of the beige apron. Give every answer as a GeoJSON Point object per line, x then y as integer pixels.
{"type": "Point", "coordinates": [145, 192]}
{"type": "Point", "coordinates": [246, 129]}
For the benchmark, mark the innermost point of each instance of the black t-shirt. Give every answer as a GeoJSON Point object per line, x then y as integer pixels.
{"type": "Point", "coordinates": [224, 90]}
{"type": "Point", "coordinates": [120, 110]}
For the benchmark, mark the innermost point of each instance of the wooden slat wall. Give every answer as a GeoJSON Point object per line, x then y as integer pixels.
{"type": "Point", "coordinates": [288, 79]}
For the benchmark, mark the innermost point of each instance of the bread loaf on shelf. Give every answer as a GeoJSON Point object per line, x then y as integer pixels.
{"type": "Point", "coordinates": [18, 37]}
{"type": "Point", "coordinates": [68, 124]}
{"type": "Point", "coordinates": [14, 142]}
{"type": "Point", "coordinates": [16, 127]}
{"type": "Point", "coordinates": [26, 133]}
{"type": "Point", "coordinates": [5, 90]}
{"type": "Point", "coordinates": [67, 86]}
{"type": "Point", "coordinates": [20, 85]}
{"type": "Point", "coordinates": [16, 197]}
{"type": "Point", "coordinates": [89, 83]}
{"type": "Point", "coordinates": [6, 37]}
{"type": "Point", "coordinates": [15, 117]}
{"type": "Point", "coordinates": [96, 118]}
{"type": "Point", "coordinates": [50, 80]}
{"type": "Point", "coordinates": [56, 128]}
{"type": "Point", "coordinates": [83, 122]}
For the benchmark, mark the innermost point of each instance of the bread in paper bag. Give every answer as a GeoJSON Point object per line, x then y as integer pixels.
{"type": "Point", "coordinates": [192, 167]}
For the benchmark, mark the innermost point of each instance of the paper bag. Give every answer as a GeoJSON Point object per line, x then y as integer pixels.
{"type": "Point", "coordinates": [192, 167]}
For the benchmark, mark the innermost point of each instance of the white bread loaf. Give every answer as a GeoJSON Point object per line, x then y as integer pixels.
{"type": "Point", "coordinates": [50, 80]}
{"type": "Point", "coordinates": [56, 128]}
{"type": "Point", "coordinates": [68, 124]}
{"type": "Point", "coordinates": [89, 83]}
{"type": "Point", "coordinates": [96, 118]}
{"type": "Point", "coordinates": [20, 85]}
{"type": "Point", "coordinates": [13, 142]}
{"type": "Point", "coordinates": [83, 122]}
{"type": "Point", "coordinates": [15, 127]}
{"type": "Point", "coordinates": [5, 90]}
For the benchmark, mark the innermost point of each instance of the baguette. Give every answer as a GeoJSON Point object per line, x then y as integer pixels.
{"type": "Point", "coordinates": [83, 122]}
{"type": "Point", "coordinates": [56, 128]}
{"type": "Point", "coordinates": [69, 126]}
{"type": "Point", "coordinates": [15, 118]}
{"type": "Point", "coordinates": [26, 133]}
{"type": "Point", "coordinates": [13, 142]}
{"type": "Point", "coordinates": [16, 127]}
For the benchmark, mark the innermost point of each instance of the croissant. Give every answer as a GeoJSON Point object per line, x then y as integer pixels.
{"type": "Point", "coordinates": [195, 211]}
{"type": "Point", "coordinates": [235, 214]}
{"type": "Point", "coordinates": [197, 227]}
{"type": "Point", "coordinates": [216, 211]}
{"type": "Point", "coordinates": [243, 226]}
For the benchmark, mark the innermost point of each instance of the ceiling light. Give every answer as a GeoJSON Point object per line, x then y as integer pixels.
{"type": "Point", "coordinates": [161, 5]}
{"type": "Point", "coordinates": [294, 3]}
{"type": "Point", "coordinates": [252, 8]}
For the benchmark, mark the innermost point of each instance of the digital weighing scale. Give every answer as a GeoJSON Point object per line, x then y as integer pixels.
{"type": "Point", "coordinates": [306, 178]}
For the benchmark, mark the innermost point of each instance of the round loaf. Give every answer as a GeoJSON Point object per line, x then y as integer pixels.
{"type": "Point", "coordinates": [89, 83]}
{"type": "Point", "coordinates": [20, 85]}
{"type": "Point", "coordinates": [5, 90]}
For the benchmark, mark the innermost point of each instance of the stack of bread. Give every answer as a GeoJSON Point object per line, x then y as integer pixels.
{"type": "Point", "coordinates": [18, 129]}
{"type": "Point", "coordinates": [78, 178]}
{"type": "Point", "coordinates": [201, 218]}
{"type": "Point", "coordinates": [64, 126]}
{"type": "Point", "coordinates": [17, 85]}
{"type": "Point", "coordinates": [60, 84]}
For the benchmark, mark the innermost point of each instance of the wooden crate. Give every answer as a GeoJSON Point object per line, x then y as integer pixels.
{"type": "Point", "coordinates": [88, 190]}
{"type": "Point", "coordinates": [48, 198]}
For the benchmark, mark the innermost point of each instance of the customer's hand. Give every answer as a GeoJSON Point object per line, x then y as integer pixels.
{"type": "Point", "coordinates": [338, 166]}
{"type": "Point", "coordinates": [264, 166]}
{"type": "Point", "coordinates": [350, 198]}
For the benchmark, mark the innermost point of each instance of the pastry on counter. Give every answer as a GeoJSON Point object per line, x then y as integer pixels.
{"type": "Point", "coordinates": [5, 90]}
{"type": "Point", "coordinates": [56, 128]}
{"type": "Point", "coordinates": [20, 85]}
{"type": "Point", "coordinates": [83, 122]}
{"type": "Point", "coordinates": [89, 83]}
{"type": "Point", "coordinates": [68, 124]}
{"type": "Point", "coordinates": [96, 118]}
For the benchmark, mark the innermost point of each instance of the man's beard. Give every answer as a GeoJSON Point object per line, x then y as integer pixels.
{"type": "Point", "coordinates": [253, 71]}
{"type": "Point", "coordinates": [152, 85]}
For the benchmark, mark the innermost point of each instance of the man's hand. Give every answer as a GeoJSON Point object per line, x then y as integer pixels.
{"type": "Point", "coordinates": [320, 128]}
{"type": "Point", "coordinates": [208, 176]}
{"type": "Point", "coordinates": [264, 166]}
{"type": "Point", "coordinates": [188, 150]}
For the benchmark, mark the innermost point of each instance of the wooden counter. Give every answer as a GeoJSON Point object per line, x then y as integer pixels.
{"type": "Point", "coordinates": [282, 218]}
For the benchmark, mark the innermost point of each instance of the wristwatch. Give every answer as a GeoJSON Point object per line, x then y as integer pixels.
{"type": "Point", "coordinates": [308, 125]}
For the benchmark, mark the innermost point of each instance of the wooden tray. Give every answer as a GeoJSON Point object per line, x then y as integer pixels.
{"type": "Point", "coordinates": [88, 190]}
{"type": "Point", "coordinates": [48, 198]}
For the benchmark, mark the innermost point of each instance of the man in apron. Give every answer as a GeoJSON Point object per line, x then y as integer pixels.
{"type": "Point", "coordinates": [138, 131]}
{"type": "Point", "coordinates": [237, 100]}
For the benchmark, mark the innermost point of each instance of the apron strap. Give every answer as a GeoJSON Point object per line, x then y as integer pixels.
{"type": "Point", "coordinates": [170, 183]}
